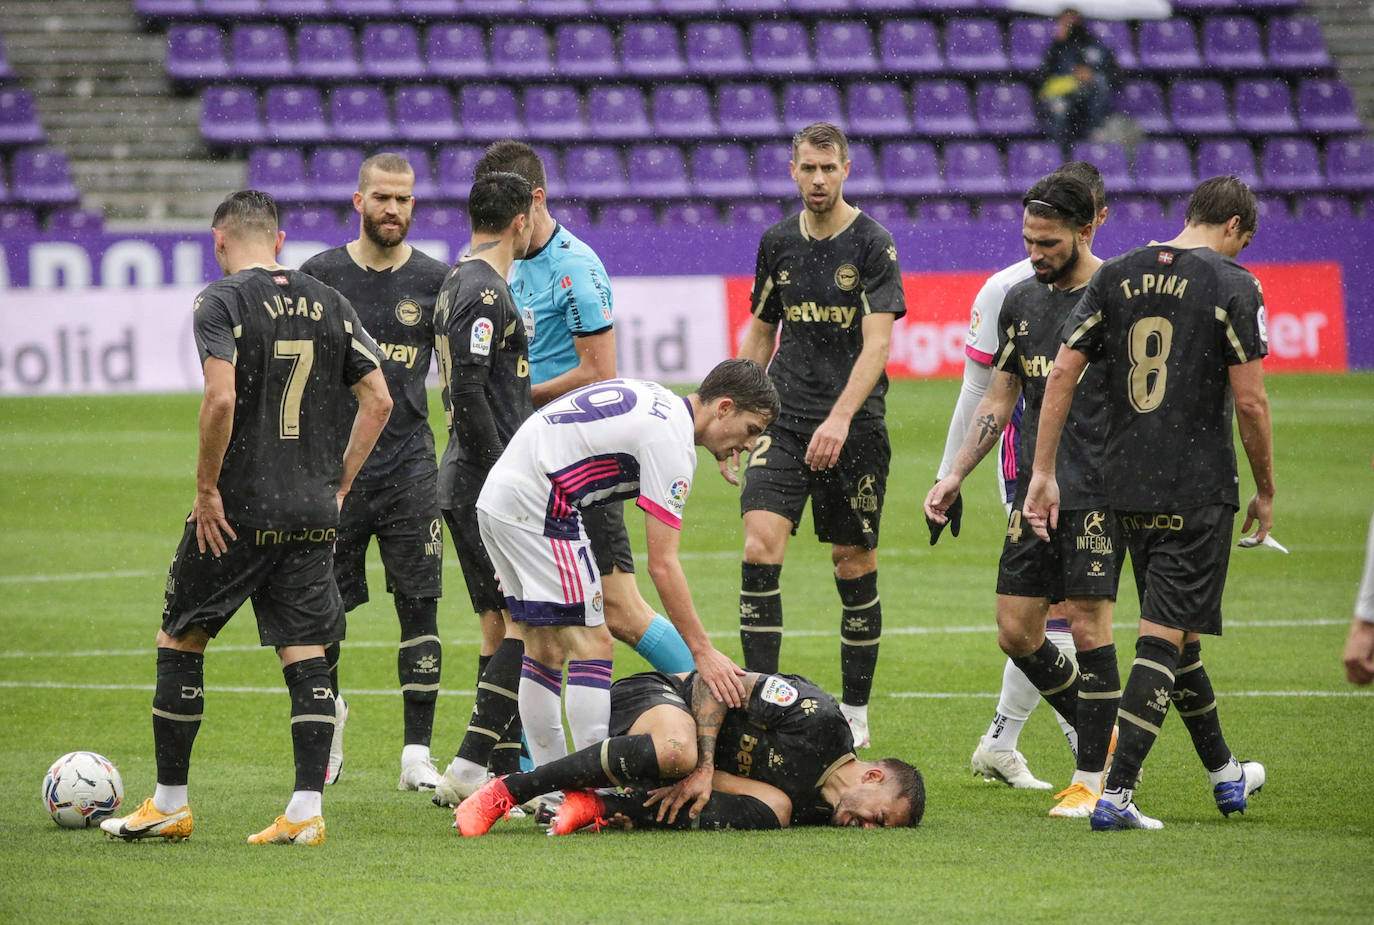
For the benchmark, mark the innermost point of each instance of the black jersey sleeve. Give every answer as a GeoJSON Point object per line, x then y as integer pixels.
{"type": "Point", "coordinates": [882, 277]}
{"type": "Point", "coordinates": [1242, 317]}
{"type": "Point", "coordinates": [363, 354]}
{"type": "Point", "coordinates": [1083, 329]}
{"type": "Point", "coordinates": [764, 300]}
{"type": "Point", "coordinates": [1006, 357]}
{"type": "Point", "coordinates": [214, 327]}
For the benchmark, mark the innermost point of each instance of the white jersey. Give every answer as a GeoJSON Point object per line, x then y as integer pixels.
{"type": "Point", "coordinates": [601, 444]}
{"type": "Point", "coordinates": [1364, 601]}
{"type": "Point", "coordinates": [981, 343]}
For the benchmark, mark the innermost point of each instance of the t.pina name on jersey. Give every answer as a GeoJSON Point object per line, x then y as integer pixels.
{"type": "Point", "coordinates": [1158, 283]}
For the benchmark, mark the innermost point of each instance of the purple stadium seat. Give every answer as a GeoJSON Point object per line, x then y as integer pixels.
{"type": "Point", "coordinates": [882, 6]}
{"type": "Point", "coordinates": [360, 114]}
{"type": "Point", "coordinates": [1198, 107]}
{"type": "Point", "coordinates": [18, 222]}
{"type": "Point", "coordinates": [1028, 161]}
{"type": "Point", "coordinates": [1164, 166]}
{"type": "Point", "coordinates": [1327, 106]}
{"type": "Point", "coordinates": [771, 170]}
{"type": "Point", "coordinates": [1116, 35]}
{"type": "Point", "coordinates": [6, 71]}
{"type": "Point", "coordinates": [722, 172]}
{"type": "Point", "coordinates": [68, 220]}
{"type": "Point", "coordinates": [294, 9]}
{"type": "Point", "coordinates": [19, 123]}
{"type": "Point", "coordinates": [759, 214]}
{"type": "Point", "coordinates": [689, 7]}
{"type": "Point", "coordinates": [691, 215]}
{"type": "Point", "coordinates": [489, 111]}
{"type": "Point", "coordinates": [780, 47]}
{"type": "Point", "coordinates": [162, 9]}
{"type": "Point", "coordinates": [941, 109]}
{"type": "Point", "coordinates": [457, 50]}
{"type": "Point", "coordinates": [651, 49]}
{"type": "Point", "coordinates": [261, 52]}
{"type": "Point", "coordinates": [864, 178]}
{"type": "Point", "coordinates": [627, 214]}
{"type": "Point", "coordinates": [293, 114]}
{"type": "Point", "coordinates": [803, 104]}
{"type": "Point", "coordinates": [1027, 40]}
{"type": "Point", "coordinates": [747, 111]}
{"type": "Point", "coordinates": [819, 6]}
{"type": "Point", "coordinates": [975, 167]}
{"type": "Point", "coordinates": [658, 171]}
{"type": "Point", "coordinates": [554, 112]}
{"type": "Point", "coordinates": [553, 169]}
{"type": "Point", "coordinates": [975, 45]}
{"type": "Point", "coordinates": [617, 113]}
{"type": "Point", "coordinates": [1291, 164]}
{"type": "Point", "coordinates": [1143, 101]}
{"type": "Point", "coordinates": [845, 48]}
{"type": "Point", "coordinates": [756, 9]}
{"type": "Point", "coordinates": [334, 172]}
{"type": "Point", "coordinates": [619, 9]}
{"type": "Point", "coordinates": [424, 112]}
{"type": "Point", "coordinates": [1264, 107]}
{"type": "Point", "coordinates": [310, 223]}
{"type": "Point", "coordinates": [520, 51]}
{"type": "Point", "coordinates": [1002, 211]}
{"type": "Point", "coordinates": [594, 172]}
{"type": "Point", "coordinates": [1137, 209]}
{"type": "Point", "coordinates": [560, 9]}
{"type": "Point", "coordinates": [418, 158]}
{"type": "Point", "coordinates": [391, 51]}
{"type": "Point", "coordinates": [683, 111]}
{"type": "Point", "coordinates": [1270, 209]}
{"type": "Point", "coordinates": [1168, 45]}
{"type": "Point", "coordinates": [279, 172]}
{"type": "Point", "coordinates": [1006, 109]}
{"type": "Point", "coordinates": [1317, 208]}
{"type": "Point", "coordinates": [910, 47]}
{"type": "Point", "coordinates": [1350, 165]}
{"type": "Point", "coordinates": [1297, 43]}
{"type": "Point", "coordinates": [585, 50]}
{"type": "Point", "coordinates": [232, 9]}
{"type": "Point", "coordinates": [716, 49]}
{"type": "Point", "coordinates": [942, 211]}
{"type": "Point", "coordinates": [494, 9]}
{"type": "Point", "coordinates": [456, 165]}
{"type": "Point", "coordinates": [1228, 156]}
{"type": "Point", "coordinates": [1111, 161]}
{"type": "Point", "coordinates": [1232, 43]}
{"type": "Point", "coordinates": [878, 110]}
{"type": "Point", "coordinates": [910, 168]}
{"type": "Point", "coordinates": [196, 52]}
{"type": "Point", "coordinates": [1204, 6]}
{"type": "Point", "coordinates": [229, 116]}
{"type": "Point", "coordinates": [887, 212]}
{"type": "Point", "coordinates": [572, 214]}
{"type": "Point", "coordinates": [325, 51]}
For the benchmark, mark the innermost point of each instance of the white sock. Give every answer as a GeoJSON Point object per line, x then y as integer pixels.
{"type": "Point", "coordinates": [168, 798]}
{"type": "Point", "coordinates": [855, 714]}
{"type": "Point", "coordinates": [1118, 798]}
{"type": "Point", "coordinates": [541, 715]}
{"type": "Point", "coordinates": [1018, 698]}
{"type": "Point", "coordinates": [414, 754]}
{"type": "Point", "coordinates": [589, 714]}
{"type": "Point", "coordinates": [1090, 779]}
{"type": "Point", "coordinates": [305, 804]}
{"type": "Point", "coordinates": [469, 772]}
{"type": "Point", "coordinates": [1227, 773]}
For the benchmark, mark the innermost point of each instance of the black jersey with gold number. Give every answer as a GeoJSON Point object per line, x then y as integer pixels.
{"type": "Point", "coordinates": [821, 291]}
{"type": "Point", "coordinates": [297, 346]}
{"type": "Point", "coordinates": [1028, 337]}
{"type": "Point", "coordinates": [1167, 323]}
{"type": "Point", "coordinates": [397, 308]}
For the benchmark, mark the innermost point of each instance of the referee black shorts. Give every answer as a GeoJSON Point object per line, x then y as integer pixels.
{"type": "Point", "coordinates": [1180, 560]}
{"type": "Point", "coordinates": [405, 520]}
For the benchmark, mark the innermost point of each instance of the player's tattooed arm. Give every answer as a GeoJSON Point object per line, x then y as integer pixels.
{"type": "Point", "coordinates": [989, 420]}
{"type": "Point", "coordinates": [988, 429]}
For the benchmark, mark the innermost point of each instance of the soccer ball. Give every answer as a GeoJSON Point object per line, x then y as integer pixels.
{"type": "Point", "coordinates": [81, 788]}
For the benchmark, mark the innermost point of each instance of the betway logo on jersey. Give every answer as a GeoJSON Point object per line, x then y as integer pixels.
{"type": "Point", "coordinates": [401, 353]}
{"type": "Point", "coordinates": [843, 315]}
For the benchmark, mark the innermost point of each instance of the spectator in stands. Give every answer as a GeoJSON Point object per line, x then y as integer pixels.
{"type": "Point", "coordinates": [1076, 80]}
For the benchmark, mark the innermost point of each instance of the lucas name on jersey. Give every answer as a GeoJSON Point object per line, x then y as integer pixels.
{"type": "Point", "coordinates": [302, 307]}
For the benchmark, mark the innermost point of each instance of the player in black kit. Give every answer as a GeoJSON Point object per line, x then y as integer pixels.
{"type": "Point", "coordinates": [281, 353]}
{"type": "Point", "coordinates": [1081, 564]}
{"type": "Point", "coordinates": [784, 757]}
{"type": "Point", "coordinates": [484, 375]}
{"type": "Point", "coordinates": [1180, 329]}
{"type": "Point", "coordinates": [829, 276]}
{"type": "Point", "coordinates": [393, 286]}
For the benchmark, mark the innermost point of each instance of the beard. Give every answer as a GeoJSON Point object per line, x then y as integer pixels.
{"type": "Point", "coordinates": [1055, 275]}
{"type": "Point", "coordinates": [385, 237]}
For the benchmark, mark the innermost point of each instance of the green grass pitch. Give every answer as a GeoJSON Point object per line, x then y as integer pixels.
{"type": "Point", "coordinates": [92, 494]}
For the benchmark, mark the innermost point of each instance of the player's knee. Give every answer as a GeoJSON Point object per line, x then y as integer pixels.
{"type": "Point", "coordinates": [853, 561]}
{"type": "Point", "coordinates": [677, 754]}
{"type": "Point", "coordinates": [1016, 642]}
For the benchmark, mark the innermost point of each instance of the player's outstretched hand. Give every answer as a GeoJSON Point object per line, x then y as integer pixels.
{"type": "Point", "coordinates": [1359, 652]}
{"type": "Point", "coordinates": [693, 791]}
{"type": "Point", "coordinates": [211, 525]}
{"type": "Point", "coordinates": [942, 508]}
{"type": "Point", "coordinates": [729, 468]}
{"type": "Point", "coordinates": [1041, 509]}
{"type": "Point", "coordinates": [1260, 512]}
{"type": "Point", "coordinates": [722, 676]}
{"type": "Point", "coordinates": [826, 442]}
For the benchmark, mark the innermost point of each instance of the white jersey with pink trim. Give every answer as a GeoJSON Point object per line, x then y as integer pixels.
{"type": "Point", "coordinates": [604, 443]}
{"type": "Point", "coordinates": [981, 343]}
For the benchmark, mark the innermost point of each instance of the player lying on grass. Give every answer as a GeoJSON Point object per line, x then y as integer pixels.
{"type": "Point", "coordinates": [784, 757]}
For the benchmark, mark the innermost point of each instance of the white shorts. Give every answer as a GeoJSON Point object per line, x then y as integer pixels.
{"type": "Point", "coordinates": [546, 581]}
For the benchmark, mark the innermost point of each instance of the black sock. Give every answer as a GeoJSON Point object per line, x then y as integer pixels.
{"type": "Point", "coordinates": [1144, 704]}
{"type": "Point", "coordinates": [496, 706]}
{"type": "Point", "coordinates": [725, 811]}
{"type": "Point", "coordinates": [760, 616]}
{"type": "Point", "coordinates": [331, 655]}
{"type": "Point", "coordinates": [609, 763]}
{"type": "Point", "coordinates": [1197, 707]}
{"type": "Point", "coordinates": [178, 703]}
{"type": "Point", "coordinates": [418, 664]}
{"type": "Point", "coordinates": [1099, 697]}
{"type": "Point", "coordinates": [1054, 675]}
{"type": "Point", "coordinates": [312, 719]}
{"type": "Point", "coordinates": [861, 626]}
{"type": "Point", "coordinates": [482, 662]}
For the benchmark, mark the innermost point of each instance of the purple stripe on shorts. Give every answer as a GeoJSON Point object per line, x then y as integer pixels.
{"type": "Point", "coordinates": [1060, 625]}
{"type": "Point", "coordinates": [541, 674]}
{"type": "Point", "coordinates": [593, 672]}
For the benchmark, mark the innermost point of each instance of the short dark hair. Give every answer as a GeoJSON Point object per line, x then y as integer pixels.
{"type": "Point", "coordinates": [910, 785]}
{"type": "Point", "coordinates": [513, 157]}
{"type": "Point", "coordinates": [744, 382]}
{"type": "Point", "coordinates": [1090, 175]}
{"type": "Point", "coordinates": [1215, 201]}
{"type": "Point", "coordinates": [386, 162]}
{"type": "Point", "coordinates": [822, 135]}
{"type": "Point", "coordinates": [1061, 197]}
{"type": "Point", "coordinates": [247, 211]}
{"type": "Point", "coordinates": [495, 200]}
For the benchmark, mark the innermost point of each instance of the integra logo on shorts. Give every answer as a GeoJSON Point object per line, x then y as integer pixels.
{"type": "Point", "coordinates": [309, 535]}
{"type": "Point", "coordinates": [1094, 537]}
{"type": "Point", "coordinates": [435, 546]}
{"type": "Point", "coordinates": [843, 315]}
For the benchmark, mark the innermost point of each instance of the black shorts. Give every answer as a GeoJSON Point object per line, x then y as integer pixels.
{"type": "Point", "coordinates": [605, 526]}
{"type": "Point", "coordinates": [405, 520]}
{"type": "Point", "coordinates": [1082, 558]}
{"type": "Point", "coordinates": [1180, 562]}
{"type": "Point", "coordinates": [288, 575]}
{"type": "Point", "coordinates": [637, 694]}
{"type": "Point", "coordinates": [846, 499]}
{"type": "Point", "coordinates": [478, 573]}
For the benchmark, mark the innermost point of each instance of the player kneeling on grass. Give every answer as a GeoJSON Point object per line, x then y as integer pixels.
{"type": "Point", "coordinates": [784, 757]}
